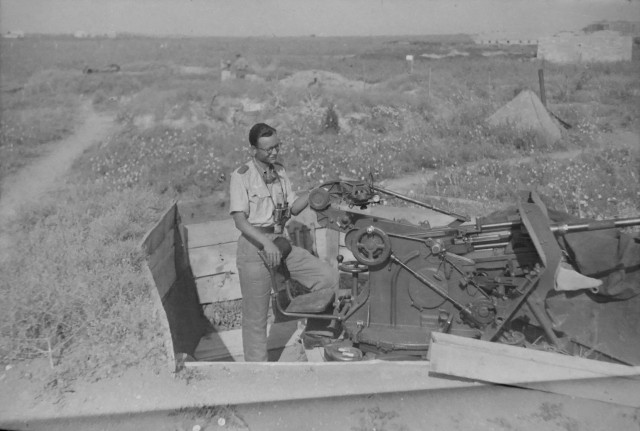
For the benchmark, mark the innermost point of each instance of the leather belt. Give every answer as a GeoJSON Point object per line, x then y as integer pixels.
{"type": "Point", "coordinates": [265, 229]}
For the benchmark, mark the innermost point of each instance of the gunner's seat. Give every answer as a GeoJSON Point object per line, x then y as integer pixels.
{"type": "Point", "coordinates": [313, 303]}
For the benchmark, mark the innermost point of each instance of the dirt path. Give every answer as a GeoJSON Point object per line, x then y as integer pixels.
{"type": "Point", "coordinates": [412, 183]}
{"type": "Point", "coordinates": [42, 175]}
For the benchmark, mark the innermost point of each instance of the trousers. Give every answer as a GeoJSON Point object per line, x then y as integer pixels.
{"type": "Point", "coordinates": [255, 285]}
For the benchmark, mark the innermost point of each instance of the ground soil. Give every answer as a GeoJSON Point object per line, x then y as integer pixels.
{"type": "Point", "coordinates": [22, 384]}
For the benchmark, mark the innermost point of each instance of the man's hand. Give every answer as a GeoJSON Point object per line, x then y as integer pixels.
{"type": "Point", "coordinates": [272, 254]}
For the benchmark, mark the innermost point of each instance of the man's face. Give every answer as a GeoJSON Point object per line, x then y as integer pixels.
{"type": "Point", "coordinates": [267, 149]}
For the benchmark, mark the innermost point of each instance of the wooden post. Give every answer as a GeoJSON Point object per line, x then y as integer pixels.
{"type": "Point", "coordinates": [543, 94]}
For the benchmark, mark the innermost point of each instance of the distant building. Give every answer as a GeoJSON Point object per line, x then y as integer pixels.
{"type": "Point", "coordinates": [15, 34]}
{"type": "Point", "coordinates": [80, 34]}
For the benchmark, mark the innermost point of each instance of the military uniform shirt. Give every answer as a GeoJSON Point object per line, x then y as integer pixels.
{"type": "Point", "coordinates": [250, 194]}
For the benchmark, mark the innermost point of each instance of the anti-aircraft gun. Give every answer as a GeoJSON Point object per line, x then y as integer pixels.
{"type": "Point", "coordinates": [512, 278]}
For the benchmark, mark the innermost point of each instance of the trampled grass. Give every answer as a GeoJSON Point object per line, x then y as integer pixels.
{"type": "Point", "coordinates": [75, 280]}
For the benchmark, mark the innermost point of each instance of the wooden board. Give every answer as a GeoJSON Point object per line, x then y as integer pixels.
{"type": "Point", "coordinates": [218, 288]}
{"type": "Point", "coordinates": [159, 244]}
{"type": "Point", "coordinates": [164, 274]}
{"type": "Point", "coordinates": [162, 250]}
{"type": "Point", "coordinates": [201, 210]}
{"type": "Point", "coordinates": [533, 369]}
{"type": "Point", "coordinates": [161, 315]}
{"type": "Point", "coordinates": [155, 236]}
{"type": "Point", "coordinates": [315, 354]}
{"type": "Point", "coordinates": [228, 344]}
{"type": "Point", "coordinates": [213, 259]}
{"type": "Point", "coordinates": [211, 233]}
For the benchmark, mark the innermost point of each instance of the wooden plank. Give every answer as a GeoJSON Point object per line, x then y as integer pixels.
{"type": "Point", "coordinates": [293, 347]}
{"type": "Point", "coordinates": [214, 259]}
{"type": "Point", "coordinates": [533, 369]}
{"type": "Point", "coordinates": [158, 291]}
{"type": "Point", "coordinates": [228, 344]}
{"type": "Point", "coordinates": [161, 315]}
{"type": "Point", "coordinates": [201, 210]}
{"type": "Point", "coordinates": [164, 273]}
{"type": "Point", "coordinates": [157, 234]}
{"type": "Point", "coordinates": [315, 354]}
{"type": "Point", "coordinates": [219, 287]}
{"type": "Point", "coordinates": [165, 248]}
{"type": "Point", "coordinates": [211, 233]}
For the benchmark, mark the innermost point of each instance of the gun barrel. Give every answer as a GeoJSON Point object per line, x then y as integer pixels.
{"type": "Point", "coordinates": [561, 229]}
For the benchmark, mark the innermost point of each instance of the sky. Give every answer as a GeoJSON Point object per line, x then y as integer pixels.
{"type": "Point", "coordinates": [241, 18]}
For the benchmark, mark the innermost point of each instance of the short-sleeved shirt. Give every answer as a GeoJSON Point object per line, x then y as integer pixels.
{"type": "Point", "coordinates": [249, 193]}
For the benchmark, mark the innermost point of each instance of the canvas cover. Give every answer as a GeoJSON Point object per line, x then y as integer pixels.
{"type": "Point", "coordinates": [607, 321]}
{"type": "Point", "coordinates": [609, 255]}
{"type": "Point", "coordinates": [526, 112]}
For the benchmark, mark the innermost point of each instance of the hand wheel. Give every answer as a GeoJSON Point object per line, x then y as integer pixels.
{"type": "Point", "coordinates": [352, 267]}
{"type": "Point", "coordinates": [371, 246]}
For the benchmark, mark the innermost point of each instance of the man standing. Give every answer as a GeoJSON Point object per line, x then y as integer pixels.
{"type": "Point", "coordinates": [260, 195]}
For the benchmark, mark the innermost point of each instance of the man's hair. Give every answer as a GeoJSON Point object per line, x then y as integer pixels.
{"type": "Point", "coordinates": [258, 131]}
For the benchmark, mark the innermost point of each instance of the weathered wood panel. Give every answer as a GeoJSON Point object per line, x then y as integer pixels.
{"type": "Point", "coordinates": [218, 288]}
{"type": "Point", "coordinates": [156, 235]}
{"type": "Point", "coordinates": [550, 372]}
{"type": "Point", "coordinates": [213, 259]}
{"type": "Point", "coordinates": [164, 272]}
{"type": "Point", "coordinates": [212, 232]}
{"type": "Point", "coordinates": [158, 243]}
{"type": "Point", "coordinates": [200, 211]}
{"type": "Point", "coordinates": [161, 315]}
{"type": "Point", "coordinates": [165, 248]}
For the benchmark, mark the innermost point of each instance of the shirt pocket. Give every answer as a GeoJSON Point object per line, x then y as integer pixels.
{"type": "Point", "coordinates": [260, 205]}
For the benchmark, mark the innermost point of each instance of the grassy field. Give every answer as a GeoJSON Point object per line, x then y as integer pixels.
{"type": "Point", "coordinates": [74, 288]}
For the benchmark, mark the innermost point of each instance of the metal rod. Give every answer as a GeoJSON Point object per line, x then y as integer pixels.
{"type": "Point", "coordinates": [422, 204]}
{"type": "Point", "coordinates": [494, 245]}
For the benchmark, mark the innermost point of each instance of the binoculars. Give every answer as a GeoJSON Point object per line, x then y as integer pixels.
{"type": "Point", "coordinates": [281, 214]}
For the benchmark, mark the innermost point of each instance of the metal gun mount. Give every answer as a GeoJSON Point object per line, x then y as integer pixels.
{"type": "Point", "coordinates": [483, 280]}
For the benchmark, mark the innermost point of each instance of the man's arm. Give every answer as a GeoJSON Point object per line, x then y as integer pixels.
{"type": "Point", "coordinates": [300, 204]}
{"type": "Point", "coordinates": [271, 252]}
